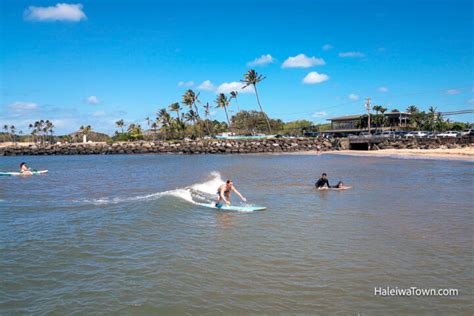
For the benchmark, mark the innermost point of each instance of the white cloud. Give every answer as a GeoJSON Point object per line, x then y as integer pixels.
{"type": "Point", "coordinates": [261, 61]}
{"type": "Point", "coordinates": [98, 113]}
{"type": "Point", "coordinates": [59, 12]}
{"type": "Point", "coordinates": [302, 61]}
{"type": "Point", "coordinates": [19, 105]}
{"type": "Point", "coordinates": [186, 83]}
{"type": "Point", "coordinates": [206, 85]}
{"type": "Point", "coordinates": [453, 91]}
{"type": "Point", "coordinates": [351, 54]}
{"type": "Point", "coordinates": [227, 87]}
{"type": "Point", "coordinates": [470, 101]}
{"type": "Point", "coordinates": [383, 89]}
{"type": "Point", "coordinates": [353, 97]}
{"type": "Point", "coordinates": [92, 99]}
{"type": "Point", "coordinates": [320, 114]}
{"type": "Point", "coordinates": [327, 47]}
{"type": "Point", "coordinates": [314, 77]}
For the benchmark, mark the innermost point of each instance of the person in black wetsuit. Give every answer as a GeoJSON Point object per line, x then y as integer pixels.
{"type": "Point", "coordinates": [322, 182]}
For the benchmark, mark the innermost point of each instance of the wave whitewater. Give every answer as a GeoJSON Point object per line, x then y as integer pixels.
{"type": "Point", "coordinates": [202, 191]}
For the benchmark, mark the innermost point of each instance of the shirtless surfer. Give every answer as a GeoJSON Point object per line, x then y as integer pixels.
{"type": "Point", "coordinates": [223, 193]}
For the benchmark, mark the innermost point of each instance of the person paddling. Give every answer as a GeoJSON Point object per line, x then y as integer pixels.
{"type": "Point", "coordinates": [223, 193]}
{"type": "Point", "coordinates": [24, 169]}
{"type": "Point", "coordinates": [322, 182]}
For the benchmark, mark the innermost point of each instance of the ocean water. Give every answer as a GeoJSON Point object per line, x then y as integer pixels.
{"type": "Point", "coordinates": [123, 235]}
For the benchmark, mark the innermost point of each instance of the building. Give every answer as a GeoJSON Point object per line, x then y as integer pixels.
{"type": "Point", "coordinates": [393, 121]}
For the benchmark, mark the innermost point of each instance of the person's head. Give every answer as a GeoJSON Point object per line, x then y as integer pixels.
{"type": "Point", "coordinates": [22, 164]}
{"type": "Point", "coordinates": [324, 176]}
{"type": "Point", "coordinates": [229, 183]}
{"type": "Point", "coordinates": [340, 184]}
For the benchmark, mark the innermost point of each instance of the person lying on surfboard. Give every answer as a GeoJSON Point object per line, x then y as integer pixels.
{"type": "Point", "coordinates": [223, 193]}
{"type": "Point", "coordinates": [24, 169]}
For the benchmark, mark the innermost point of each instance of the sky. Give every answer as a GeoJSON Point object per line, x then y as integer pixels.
{"type": "Point", "coordinates": [97, 61]}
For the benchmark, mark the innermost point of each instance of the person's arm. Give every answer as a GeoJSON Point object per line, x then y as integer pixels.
{"type": "Point", "coordinates": [238, 193]}
{"type": "Point", "coordinates": [222, 195]}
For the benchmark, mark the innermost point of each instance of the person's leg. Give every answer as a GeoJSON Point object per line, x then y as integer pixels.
{"type": "Point", "coordinates": [227, 196]}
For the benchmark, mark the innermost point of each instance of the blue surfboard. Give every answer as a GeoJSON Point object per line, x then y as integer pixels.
{"type": "Point", "coordinates": [234, 208]}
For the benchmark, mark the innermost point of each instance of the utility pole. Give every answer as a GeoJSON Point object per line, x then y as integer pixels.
{"type": "Point", "coordinates": [368, 108]}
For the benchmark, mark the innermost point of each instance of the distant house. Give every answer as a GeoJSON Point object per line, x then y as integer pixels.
{"type": "Point", "coordinates": [358, 123]}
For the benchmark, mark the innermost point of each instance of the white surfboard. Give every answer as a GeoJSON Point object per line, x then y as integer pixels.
{"type": "Point", "coordinates": [234, 208]}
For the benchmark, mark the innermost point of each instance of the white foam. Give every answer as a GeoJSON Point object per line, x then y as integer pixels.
{"type": "Point", "coordinates": [207, 188]}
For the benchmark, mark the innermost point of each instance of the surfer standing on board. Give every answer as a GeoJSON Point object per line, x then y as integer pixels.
{"type": "Point", "coordinates": [223, 193]}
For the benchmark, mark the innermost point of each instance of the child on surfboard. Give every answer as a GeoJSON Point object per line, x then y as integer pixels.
{"type": "Point", "coordinates": [223, 193]}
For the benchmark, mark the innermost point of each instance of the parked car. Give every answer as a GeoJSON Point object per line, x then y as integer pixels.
{"type": "Point", "coordinates": [388, 134]}
{"type": "Point", "coordinates": [449, 134]}
{"type": "Point", "coordinates": [400, 134]}
{"type": "Point", "coordinates": [365, 134]}
{"type": "Point", "coordinates": [467, 132]}
{"type": "Point", "coordinates": [312, 134]}
{"type": "Point", "coordinates": [417, 134]}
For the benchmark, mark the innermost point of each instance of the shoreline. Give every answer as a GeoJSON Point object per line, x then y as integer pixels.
{"type": "Point", "coordinates": [466, 153]}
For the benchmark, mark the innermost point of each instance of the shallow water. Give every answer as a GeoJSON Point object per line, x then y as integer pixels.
{"type": "Point", "coordinates": [120, 234]}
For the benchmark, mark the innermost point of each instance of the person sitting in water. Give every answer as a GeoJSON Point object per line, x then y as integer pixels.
{"type": "Point", "coordinates": [223, 193]}
{"type": "Point", "coordinates": [24, 169]}
{"type": "Point", "coordinates": [322, 182]}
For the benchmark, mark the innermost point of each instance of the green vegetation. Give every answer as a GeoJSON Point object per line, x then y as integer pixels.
{"type": "Point", "coordinates": [182, 120]}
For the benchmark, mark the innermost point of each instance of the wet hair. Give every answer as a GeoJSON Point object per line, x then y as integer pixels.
{"type": "Point", "coordinates": [22, 164]}
{"type": "Point", "coordinates": [339, 184]}
{"type": "Point", "coordinates": [324, 174]}
{"type": "Point", "coordinates": [228, 181]}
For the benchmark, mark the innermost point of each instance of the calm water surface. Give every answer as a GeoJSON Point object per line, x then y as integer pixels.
{"type": "Point", "coordinates": [120, 234]}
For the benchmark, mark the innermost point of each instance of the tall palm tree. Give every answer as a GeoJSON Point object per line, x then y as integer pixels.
{"type": "Point", "coordinates": [164, 118]}
{"type": "Point", "coordinates": [222, 102]}
{"type": "Point", "coordinates": [120, 124]}
{"type": "Point", "coordinates": [13, 132]}
{"type": "Point", "coordinates": [233, 95]}
{"type": "Point", "coordinates": [207, 114]}
{"type": "Point", "coordinates": [190, 98]}
{"type": "Point", "coordinates": [252, 78]}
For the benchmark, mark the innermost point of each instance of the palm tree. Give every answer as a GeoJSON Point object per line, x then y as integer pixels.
{"type": "Point", "coordinates": [190, 116]}
{"type": "Point", "coordinates": [412, 109]}
{"type": "Point", "coordinates": [233, 95]}
{"type": "Point", "coordinates": [207, 113]}
{"type": "Point", "coordinates": [190, 98]}
{"type": "Point", "coordinates": [164, 118]}
{"type": "Point", "coordinates": [252, 78]}
{"type": "Point", "coordinates": [120, 124]}
{"type": "Point", "coordinates": [174, 107]}
{"type": "Point", "coordinates": [377, 108]}
{"type": "Point", "coordinates": [49, 128]}
{"type": "Point", "coordinates": [13, 132]}
{"type": "Point", "coordinates": [223, 102]}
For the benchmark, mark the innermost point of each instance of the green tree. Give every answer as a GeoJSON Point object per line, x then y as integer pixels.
{"type": "Point", "coordinates": [120, 124]}
{"type": "Point", "coordinates": [252, 78]}
{"type": "Point", "coordinates": [222, 102]}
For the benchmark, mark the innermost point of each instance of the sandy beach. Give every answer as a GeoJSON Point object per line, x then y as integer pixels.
{"type": "Point", "coordinates": [466, 153]}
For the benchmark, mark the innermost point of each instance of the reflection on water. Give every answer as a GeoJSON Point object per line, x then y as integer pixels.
{"type": "Point", "coordinates": [129, 239]}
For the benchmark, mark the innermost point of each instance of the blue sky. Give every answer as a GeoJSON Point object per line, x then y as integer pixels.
{"type": "Point", "coordinates": [93, 62]}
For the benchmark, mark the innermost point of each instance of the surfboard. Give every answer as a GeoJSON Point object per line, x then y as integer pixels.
{"type": "Point", "coordinates": [34, 172]}
{"type": "Point", "coordinates": [234, 208]}
{"type": "Point", "coordinates": [334, 189]}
